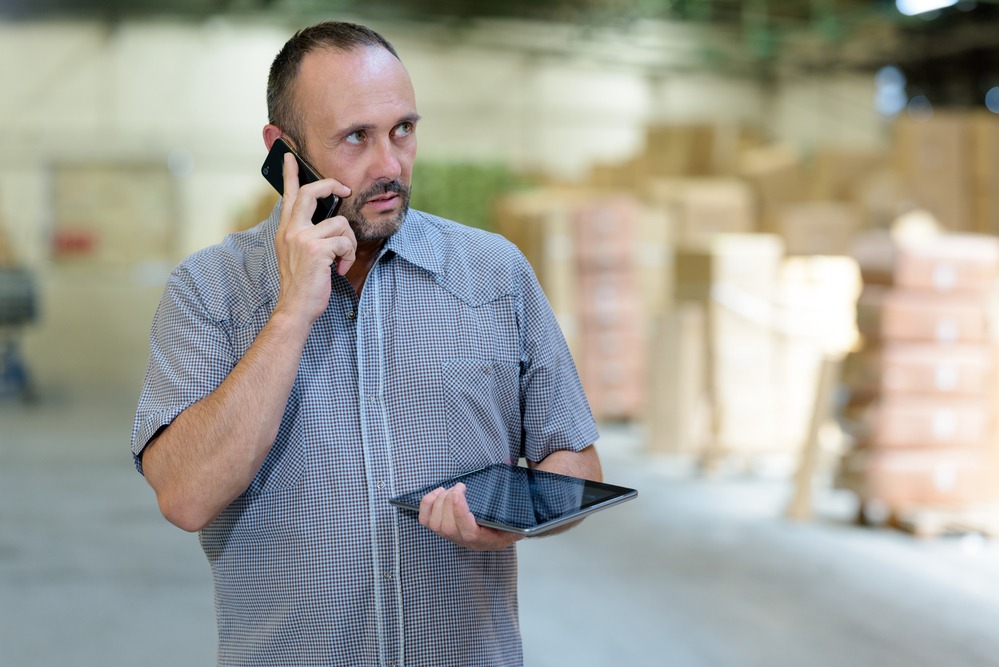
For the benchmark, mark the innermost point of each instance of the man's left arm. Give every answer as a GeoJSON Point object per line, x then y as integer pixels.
{"type": "Point", "coordinates": [584, 463]}
{"type": "Point", "coordinates": [555, 414]}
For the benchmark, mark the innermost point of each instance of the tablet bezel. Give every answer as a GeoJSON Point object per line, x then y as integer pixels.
{"type": "Point", "coordinates": [619, 494]}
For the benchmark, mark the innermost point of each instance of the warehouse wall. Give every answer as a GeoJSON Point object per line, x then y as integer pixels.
{"type": "Point", "coordinates": [189, 98]}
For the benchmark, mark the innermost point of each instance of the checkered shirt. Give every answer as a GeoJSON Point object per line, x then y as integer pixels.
{"type": "Point", "coordinates": [450, 360]}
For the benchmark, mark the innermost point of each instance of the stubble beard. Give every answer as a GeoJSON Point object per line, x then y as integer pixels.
{"type": "Point", "coordinates": [382, 227]}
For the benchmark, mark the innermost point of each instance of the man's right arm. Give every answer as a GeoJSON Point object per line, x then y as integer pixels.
{"type": "Point", "coordinates": [208, 455]}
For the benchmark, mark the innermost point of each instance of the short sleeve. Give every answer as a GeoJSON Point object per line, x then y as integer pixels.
{"type": "Point", "coordinates": [190, 354]}
{"type": "Point", "coordinates": [556, 414]}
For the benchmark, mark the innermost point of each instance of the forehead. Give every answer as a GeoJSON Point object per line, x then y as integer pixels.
{"type": "Point", "coordinates": [362, 86]}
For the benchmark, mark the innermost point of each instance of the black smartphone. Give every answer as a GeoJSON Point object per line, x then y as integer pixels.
{"type": "Point", "coordinates": [273, 171]}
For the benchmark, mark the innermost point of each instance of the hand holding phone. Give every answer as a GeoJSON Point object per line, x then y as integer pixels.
{"type": "Point", "coordinates": [273, 171]}
{"type": "Point", "coordinates": [306, 252]}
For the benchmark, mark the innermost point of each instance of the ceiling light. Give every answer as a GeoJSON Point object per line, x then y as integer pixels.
{"type": "Point", "coordinates": [913, 7]}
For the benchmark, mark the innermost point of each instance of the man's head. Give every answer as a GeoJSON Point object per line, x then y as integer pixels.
{"type": "Point", "coordinates": [341, 96]}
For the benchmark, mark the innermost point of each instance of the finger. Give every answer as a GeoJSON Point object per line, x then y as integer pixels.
{"type": "Point", "coordinates": [306, 196]}
{"type": "Point", "coordinates": [345, 248]}
{"type": "Point", "coordinates": [436, 521]}
{"type": "Point", "coordinates": [290, 174]}
{"type": "Point", "coordinates": [464, 520]}
{"type": "Point", "coordinates": [325, 187]}
{"type": "Point", "coordinates": [427, 505]}
{"type": "Point", "coordinates": [449, 523]}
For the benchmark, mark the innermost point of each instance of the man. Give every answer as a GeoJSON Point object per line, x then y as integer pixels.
{"type": "Point", "coordinates": [300, 375]}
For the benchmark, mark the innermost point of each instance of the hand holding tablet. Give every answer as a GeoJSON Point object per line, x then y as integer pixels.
{"type": "Point", "coordinates": [522, 500]}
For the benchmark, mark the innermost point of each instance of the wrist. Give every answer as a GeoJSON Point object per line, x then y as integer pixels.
{"type": "Point", "coordinates": [290, 322]}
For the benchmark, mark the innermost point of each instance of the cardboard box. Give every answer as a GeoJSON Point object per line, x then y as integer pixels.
{"type": "Point", "coordinates": [760, 423]}
{"type": "Point", "coordinates": [612, 369]}
{"type": "Point", "coordinates": [605, 231]}
{"type": "Point", "coordinates": [930, 421]}
{"type": "Point", "coordinates": [677, 412]}
{"type": "Point", "coordinates": [777, 176]}
{"type": "Point", "coordinates": [902, 368]}
{"type": "Point", "coordinates": [615, 403]}
{"type": "Point", "coordinates": [746, 265]}
{"type": "Point", "coordinates": [741, 357]}
{"type": "Point", "coordinates": [967, 370]}
{"type": "Point", "coordinates": [837, 173]}
{"type": "Point", "coordinates": [905, 479]}
{"type": "Point", "coordinates": [948, 263]}
{"type": "Point", "coordinates": [941, 263]}
{"type": "Point", "coordinates": [700, 209]}
{"type": "Point", "coordinates": [679, 149]}
{"type": "Point", "coordinates": [934, 156]}
{"type": "Point", "coordinates": [626, 175]}
{"type": "Point", "coordinates": [818, 228]}
{"type": "Point", "coordinates": [816, 302]}
{"type": "Point", "coordinates": [985, 171]}
{"type": "Point", "coordinates": [610, 298]}
{"type": "Point", "coordinates": [894, 314]}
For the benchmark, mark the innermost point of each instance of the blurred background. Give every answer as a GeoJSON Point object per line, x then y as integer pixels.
{"type": "Point", "coordinates": [768, 229]}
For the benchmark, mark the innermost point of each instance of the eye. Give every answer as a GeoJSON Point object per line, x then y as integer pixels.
{"type": "Point", "coordinates": [357, 137]}
{"type": "Point", "coordinates": [404, 129]}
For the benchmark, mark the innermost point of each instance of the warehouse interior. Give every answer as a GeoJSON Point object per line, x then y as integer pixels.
{"type": "Point", "coordinates": [769, 230]}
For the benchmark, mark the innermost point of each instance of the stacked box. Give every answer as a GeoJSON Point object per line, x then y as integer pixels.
{"type": "Point", "coordinates": [739, 358]}
{"type": "Point", "coordinates": [678, 408]}
{"type": "Point", "coordinates": [611, 347]}
{"type": "Point", "coordinates": [777, 177]}
{"type": "Point", "coordinates": [679, 149]}
{"type": "Point", "coordinates": [985, 172]}
{"type": "Point", "coordinates": [602, 259]}
{"type": "Point", "coordinates": [923, 386]}
{"type": "Point", "coordinates": [818, 228]}
{"type": "Point", "coordinates": [701, 208]}
{"type": "Point", "coordinates": [934, 157]}
{"type": "Point", "coordinates": [539, 223]}
{"type": "Point", "coordinates": [836, 172]}
{"type": "Point", "coordinates": [734, 278]}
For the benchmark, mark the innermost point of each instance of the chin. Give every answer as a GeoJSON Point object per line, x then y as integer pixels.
{"type": "Point", "coordinates": [378, 229]}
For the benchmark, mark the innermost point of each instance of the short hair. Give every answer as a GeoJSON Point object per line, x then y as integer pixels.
{"type": "Point", "coordinates": [340, 35]}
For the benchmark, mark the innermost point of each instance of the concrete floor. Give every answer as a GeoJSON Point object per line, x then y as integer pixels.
{"type": "Point", "coordinates": [694, 573]}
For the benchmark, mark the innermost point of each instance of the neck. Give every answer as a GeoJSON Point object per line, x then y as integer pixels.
{"type": "Point", "coordinates": [365, 255]}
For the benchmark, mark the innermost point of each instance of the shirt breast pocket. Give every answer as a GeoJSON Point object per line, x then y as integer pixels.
{"type": "Point", "coordinates": [482, 411]}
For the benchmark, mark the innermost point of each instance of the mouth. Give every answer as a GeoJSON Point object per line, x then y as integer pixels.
{"type": "Point", "coordinates": [385, 201]}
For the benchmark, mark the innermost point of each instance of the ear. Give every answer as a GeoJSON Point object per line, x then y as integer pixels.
{"type": "Point", "coordinates": [271, 134]}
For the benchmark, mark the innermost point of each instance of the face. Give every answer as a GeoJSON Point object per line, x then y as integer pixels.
{"type": "Point", "coordinates": [358, 120]}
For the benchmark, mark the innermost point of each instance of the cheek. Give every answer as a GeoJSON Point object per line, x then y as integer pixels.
{"type": "Point", "coordinates": [408, 157]}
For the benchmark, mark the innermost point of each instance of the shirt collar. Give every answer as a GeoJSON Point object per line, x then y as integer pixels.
{"type": "Point", "coordinates": [418, 242]}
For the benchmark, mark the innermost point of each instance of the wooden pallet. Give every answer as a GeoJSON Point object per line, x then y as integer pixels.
{"type": "Point", "coordinates": [933, 522]}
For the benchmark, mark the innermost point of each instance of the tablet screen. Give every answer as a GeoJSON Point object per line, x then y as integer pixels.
{"type": "Point", "coordinates": [524, 500]}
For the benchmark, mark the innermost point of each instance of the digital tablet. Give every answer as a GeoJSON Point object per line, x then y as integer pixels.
{"type": "Point", "coordinates": [525, 501]}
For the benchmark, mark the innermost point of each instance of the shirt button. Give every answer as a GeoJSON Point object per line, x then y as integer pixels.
{"type": "Point", "coordinates": [487, 369]}
{"type": "Point", "coordinates": [387, 575]}
{"type": "Point", "coordinates": [351, 314]}
{"type": "Point", "coordinates": [380, 484]}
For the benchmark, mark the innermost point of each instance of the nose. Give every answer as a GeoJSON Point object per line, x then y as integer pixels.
{"type": "Point", "coordinates": [386, 165]}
